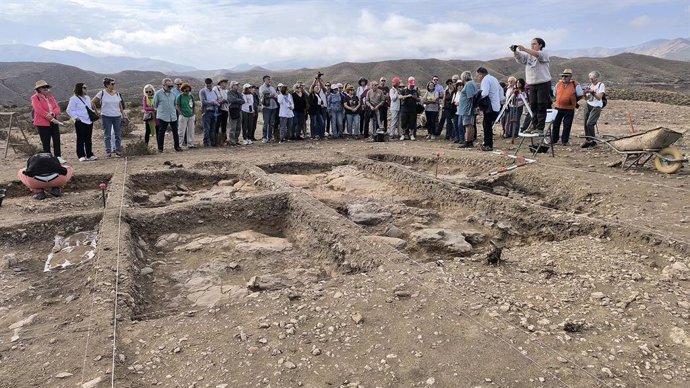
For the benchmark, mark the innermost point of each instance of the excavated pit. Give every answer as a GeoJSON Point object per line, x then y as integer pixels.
{"type": "Point", "coordinates": [164, 188]}
{"type": "Point", "coordinates": [25, 280]}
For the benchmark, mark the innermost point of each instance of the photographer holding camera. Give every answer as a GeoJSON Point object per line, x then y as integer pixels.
{"type": "Point", "coordinates": [538, 76]}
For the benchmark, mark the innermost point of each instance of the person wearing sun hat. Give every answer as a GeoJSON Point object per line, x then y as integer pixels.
{"type": "Point", "coordinates": [46, 112]}
{"type": "Point", "coordinates": [567, 93]}
{"type": "Point", "coordinates": [409, 97]}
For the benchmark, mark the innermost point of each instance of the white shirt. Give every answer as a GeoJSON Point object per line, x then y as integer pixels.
{"type": "Point", "coordinates": [598, 88]}
{"type": "Point", "coordinates": [248, 102]}
{"type": "Point", "coordinates": [395, 99]}
{"type": "Point", "coordinates": [223, 93]}
{"type": "Point", "coordinates": [110, 105]}
{"type": "Point", "coordinates": [286, 105]}
{"type": "Point", "coordinates": [76, 108]}
{"type": "Point", "coordinates": [490, 87]}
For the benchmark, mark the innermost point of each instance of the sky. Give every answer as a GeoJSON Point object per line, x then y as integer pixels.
{"type": "Point", "coordinates": [211, 34]}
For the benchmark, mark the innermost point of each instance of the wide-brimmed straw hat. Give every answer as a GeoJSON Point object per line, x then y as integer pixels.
{"type": "Point", "coordinates": [567, 72]}
{"type": "Point", "coordinates": [40, 84]}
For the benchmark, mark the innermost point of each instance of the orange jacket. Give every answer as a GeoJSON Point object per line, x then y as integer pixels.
{"type": "Point", "coordinates": [566, 97]}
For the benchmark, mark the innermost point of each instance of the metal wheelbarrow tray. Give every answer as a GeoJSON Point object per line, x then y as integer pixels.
{"type": "Point", "coordinates": [639, 148]}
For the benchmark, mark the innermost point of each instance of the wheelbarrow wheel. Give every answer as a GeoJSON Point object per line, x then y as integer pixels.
{"type": "Point", "coordinates": [665, 166]}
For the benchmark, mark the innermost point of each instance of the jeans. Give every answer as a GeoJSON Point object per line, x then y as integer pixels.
{"type": "Point", "coordinates": [160, 132]}
{"type": "Point", "coordinates": [539, 98]}
{"type": "Point", "coordinates": [48, 133]}
{"type": "Point", "coordinates": [112, 125]}
{"type": "Point", "coordinates": [487, 125]}
{"type": "Point", "coordinates": [269, 123]}
{"type": "Point", "coordinates": [431, 123]}
{"type": "Point", "coordinates": [298, 124]}
{"type": "Point", "coordinates": [209, 130]}
{"type": "Point", "coordinates": [337, 123]}
{"type": "Point", "coordinates": [186, 129]}
{"type": "Point", "coordinates": [565, 116]}
{"type": "Point", "coordinates": [83, 139]}
{"type": "Point", "coordinates": [316, 125]}
{"type": "Point", "coordinates": [352, 121]}
{"type": "Point", "coordinates": [460, 130]}
{"type": "Point", "coordinates": [591, 116]}
{"type": "Point", "coordinates": [221, 125]}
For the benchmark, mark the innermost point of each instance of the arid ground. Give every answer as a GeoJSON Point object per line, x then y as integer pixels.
{"type": "Point", "coordinates": [351, 264]}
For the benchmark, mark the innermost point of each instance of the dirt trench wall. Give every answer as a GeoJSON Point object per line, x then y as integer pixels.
{"type": "Point", "coordinates": [531, 220]}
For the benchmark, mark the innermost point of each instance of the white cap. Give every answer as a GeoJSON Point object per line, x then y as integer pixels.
{"type": "Point", "coordinates": [245, 86]}
{"type": "Point", "coordinates": [280, 85]}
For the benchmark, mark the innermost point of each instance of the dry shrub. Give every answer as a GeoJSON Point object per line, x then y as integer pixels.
{"type": "Point", "coordinates": [127, 129]}
{"type": "Point", "coordinates": [137, 148]}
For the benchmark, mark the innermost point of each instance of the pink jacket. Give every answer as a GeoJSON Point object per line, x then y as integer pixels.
{"type": "Point", "coordinates": [41, 109]}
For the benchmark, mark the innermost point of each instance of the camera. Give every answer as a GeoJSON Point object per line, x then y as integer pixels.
{"type": "Point", "coordinates": [513, 47]}
{"type": "Point", "coordinates": [319, 74]}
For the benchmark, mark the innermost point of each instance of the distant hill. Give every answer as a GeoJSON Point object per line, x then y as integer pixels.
{"type": "Point", "coordinates": [103, 65]}
{"type": "Point", "coordinates": [668, 80]}
{"type": "Point", "coordinates": [17, 80]}
{"type": "Point", "coordinates": [676, 49]}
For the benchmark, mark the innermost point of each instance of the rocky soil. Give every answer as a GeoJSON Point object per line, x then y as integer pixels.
{"type": "Point", "coordinates": [351, 264]}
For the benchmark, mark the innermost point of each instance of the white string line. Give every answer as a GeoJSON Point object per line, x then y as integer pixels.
{"type": "Point", "coordinates": [93, 296]}
{"type": "Point", "coordinates": [460, 310]}
{"type": "Point", "coordinates": [117, 273]}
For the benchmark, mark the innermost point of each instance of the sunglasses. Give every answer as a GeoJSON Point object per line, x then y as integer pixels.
{"type": "Point", "coordinates": [565, 76]}
{"type": "Point", "coordinates": [149, 92]}
{"type": "Point", "coordinates": [178, 84]}
{"type": "Point", "coordinates": [83, 87]}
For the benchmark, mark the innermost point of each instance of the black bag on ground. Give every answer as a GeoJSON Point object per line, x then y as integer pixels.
{"type": "Point", "coordinates": [543, 148]}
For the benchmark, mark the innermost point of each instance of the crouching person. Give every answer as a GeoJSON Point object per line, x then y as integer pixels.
{"type": "Point", "coordinates": [44, 172]}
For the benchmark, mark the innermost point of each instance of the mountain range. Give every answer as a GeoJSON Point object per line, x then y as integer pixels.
{"type": "Point", "coordinates": [619, 72]}
{"type": "Point", "coordinates": [676, 49]}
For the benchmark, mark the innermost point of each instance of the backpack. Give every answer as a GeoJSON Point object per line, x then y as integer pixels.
{"type": "Point", "coordinates": [604, 101]}
{"type": "Point", "coordinates": [482, 103]}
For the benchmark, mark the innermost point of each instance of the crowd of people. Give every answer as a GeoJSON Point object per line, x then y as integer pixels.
{"type": "Point", "coordinates": [332, 110]}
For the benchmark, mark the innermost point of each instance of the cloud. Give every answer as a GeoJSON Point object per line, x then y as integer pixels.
{"type": "Point", "coordinates": [171, 36]}
{"type": "Point", "coordinates": [641, 22]}
{"type": "Point", "coordinates": [87, 45]}
{"type": "Point", "coordinates": [395, 36]}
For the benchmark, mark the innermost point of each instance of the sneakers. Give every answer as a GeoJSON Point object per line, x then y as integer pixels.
{"type": "Point", "coordinates": [61, 160]}
{"type": "Point", "coordinates": [467, 145]}
{"type": "Point", "coordinates": [178, 149]}
{"type": "Point", "coordinates": [191, 146]}
{"type": "Point", "coordinates": [411, 137]}
{"type": "Point", "coordinates": [83, 159]}
{"type": "Point", "coordinates": [40, 196]}
{"type": "Point", "coordinates": [55, 192]}
{"type": "Point", "coordinates": [264, 140]}
{"type": "Point", "coordinates": [108, 155]}
{"type": "Point", "coordinates": [486, 148]}
{"type": "Point", "coordinates": [245, 142]}
{"type": "Point", "coordinates": [92, 158]}
{"type": "Point", "coordinates": [402, 137]}
{"type": "Point", "coordinates": [282, 141]}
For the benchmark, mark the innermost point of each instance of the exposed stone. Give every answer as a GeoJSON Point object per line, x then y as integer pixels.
{"type": "Point", "coordinates": [392, 241]}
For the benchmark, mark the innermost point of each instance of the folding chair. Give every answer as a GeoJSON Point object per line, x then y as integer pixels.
{"type": "Point", "coordinates": [542, 139]}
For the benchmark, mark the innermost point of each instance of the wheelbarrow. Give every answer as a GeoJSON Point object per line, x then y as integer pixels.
{"type": "Point", "coordinates": [639, 148]}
